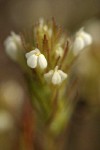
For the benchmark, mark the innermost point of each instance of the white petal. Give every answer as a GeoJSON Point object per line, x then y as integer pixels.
{"type": "Point", "coordinates": [29, 54]}
{"type": "Point", "coordinates": [32, 52]}
{"type": "Point", "coordinates": [78, 45]}
{"type": "Point", "coordinates": [32, 61]}
{"type": "Point", "coordinates": [62, 74]}
{"type": "Point", "coordinates": [8, 40]}
{"type": "Point", "coordinates": [56, 78]}
{"type": "Point", "coordinates": [16, 38]}
{"type": "Point", "coordinates": [87, 38]}
{"type": "Point", "coordinates": [42, 62]}
{"type": "Point", "coordinates": [48, 75]}
{"type": "Point", "coordinates": [11, 48]}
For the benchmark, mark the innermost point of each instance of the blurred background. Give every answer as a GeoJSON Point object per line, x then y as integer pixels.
{"type": "Point", "coordinates": [16, 15]}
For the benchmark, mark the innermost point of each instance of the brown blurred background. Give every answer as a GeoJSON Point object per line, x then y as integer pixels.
{"type": "Point", "coordinates": [16, 15]}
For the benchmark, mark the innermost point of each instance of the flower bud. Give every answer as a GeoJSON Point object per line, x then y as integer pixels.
{"type": "Point", "coordinates": [12, 45]}
{"type": "Point", "coordinates": [82, 40]}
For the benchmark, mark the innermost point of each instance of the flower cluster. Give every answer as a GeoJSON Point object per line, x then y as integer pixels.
{"type": "Point", "coordinates": [47, 48]}
{"type": "Point", "coordinates": [46, 55]}
{"type": "Point", "coordinates": [48, 51]}
{"type": "Point", "coordinates": [36, 59]}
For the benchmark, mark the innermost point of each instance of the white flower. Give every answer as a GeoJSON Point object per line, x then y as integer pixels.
{"type": "Point", "coordinates": [36, 59]}
{"type": "Point", "coordinates": [82, 40]}
{"type": "Point", "coordinates": [12, 45]}
{"type": "Point", "coordinates": [55, 76]}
